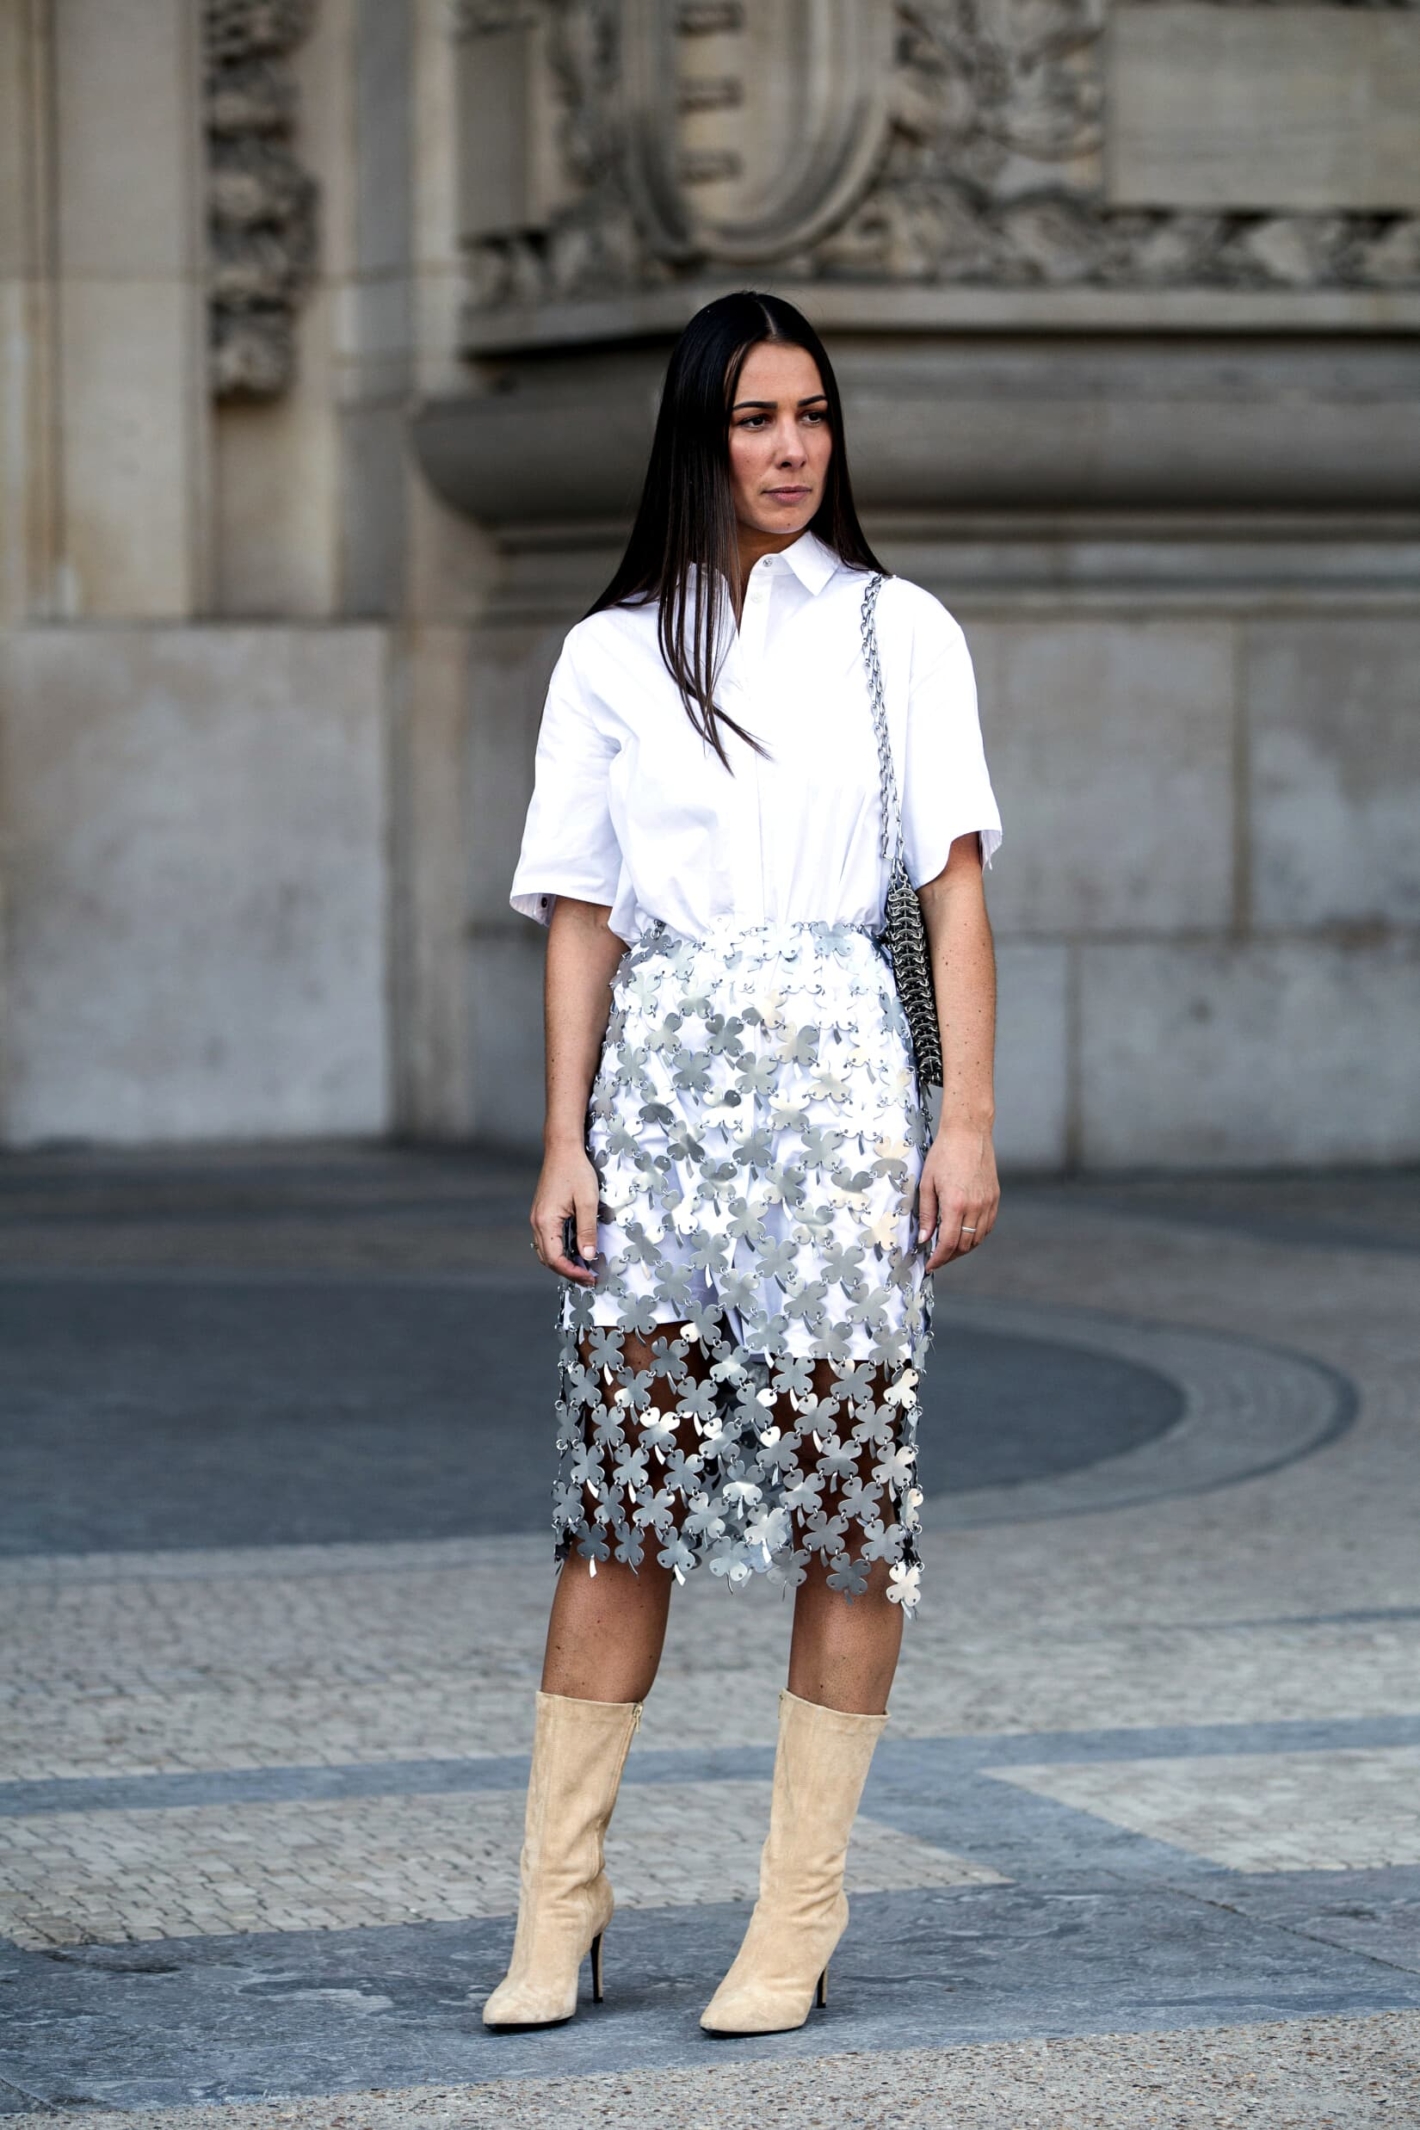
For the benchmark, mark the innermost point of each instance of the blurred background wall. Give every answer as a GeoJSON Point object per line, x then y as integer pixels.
{"type": "Point", "coordinates": [329, 340]}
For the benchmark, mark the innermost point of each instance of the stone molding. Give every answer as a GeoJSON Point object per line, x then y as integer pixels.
{"type": "Point", "coordinates": [826, 122]}
{"type": "Point", "coordinates": [969, 156]}
{"type": "Point", "coordinates": [981, 422]}
{"type": "Point", "coordinates": [261, 202]}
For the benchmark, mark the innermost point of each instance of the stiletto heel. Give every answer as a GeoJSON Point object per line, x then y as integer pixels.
{"type": "Point", "coordinates": [823, 1989]}
{"type": "Point", "coordinates": [597, 1968]}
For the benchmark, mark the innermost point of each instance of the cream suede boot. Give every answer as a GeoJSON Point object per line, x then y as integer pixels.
{"type": "Point", "coordinates": [819, 1772]}
{"type": "Point", "coordinates": [579, 1751]}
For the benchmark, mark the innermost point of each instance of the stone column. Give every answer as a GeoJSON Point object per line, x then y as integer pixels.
{"type": "Point", "coordinates": [450, 567]}
{"type": "Point", "coordinates": [102, 280]}
{"type": "Point", "coordinates": [323, 513]}
{"type": "Point", "coordinates": [194, 811]}
{"type": "Point", "coordinates": [28, 340]}
{"type": "Point", "coordinates": [278, 447]}
{"type": "Point", "coordinates": [115, 100]}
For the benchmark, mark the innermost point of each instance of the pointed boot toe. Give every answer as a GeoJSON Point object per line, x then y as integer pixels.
{"type": "Point", "coordinates": [540, 1996]}
{"type": "Point", "coordinates": [512, 2008]}
{"type": "Point", "coordinates": [752, 2009]}
{"type": "Point", "coordinates": [779, 1973]}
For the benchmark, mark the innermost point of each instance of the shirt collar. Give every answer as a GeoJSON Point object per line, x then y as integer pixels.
{"type": "Point", "coordinates": [812, 563]}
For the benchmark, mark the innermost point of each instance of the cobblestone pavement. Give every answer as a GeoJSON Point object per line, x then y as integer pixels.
{"type": "Point", "coordinates": [1142, 1845]}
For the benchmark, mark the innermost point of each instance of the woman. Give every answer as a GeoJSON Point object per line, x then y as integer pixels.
{"type": "Point", "coordinates": [737, 1186]}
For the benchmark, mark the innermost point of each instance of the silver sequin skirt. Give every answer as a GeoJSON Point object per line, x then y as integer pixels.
{"type": "Point", "coordinates": [739, 1387]}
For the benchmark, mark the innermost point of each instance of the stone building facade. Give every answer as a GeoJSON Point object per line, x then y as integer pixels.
{"type": "Point", "coordinates": [329, 340]}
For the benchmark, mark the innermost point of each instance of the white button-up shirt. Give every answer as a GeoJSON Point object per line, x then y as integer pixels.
{"type": "Point", "coordinates": [632, 808]}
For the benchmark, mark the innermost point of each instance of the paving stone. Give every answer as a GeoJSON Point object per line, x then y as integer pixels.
{"type": "Point", "coordinates": [1375, 1912]}
{"type": "Point", "coordinates": [1316, 2074]}
{"type": "Point", "coordinates": [281, 2010]}
{"type": "Point", "coordinates": [69, 1878]}
{"type": "Point", "coordinates": [1339, 1811]}
{"type": "Point", "coordinates": [448, 1660]}
{"type": "Point", "coordinates": [1156, 1717]}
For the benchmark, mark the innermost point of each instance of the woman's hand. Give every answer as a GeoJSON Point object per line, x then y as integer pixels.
{"type": "Point", "coordinates": [959, 1194]}
{"type": "Point", "coordinates": [959, 1191]}
{"type": "Point", "coordinates": [566, 1187]}
{"type": "Point", "coordinates": [583, 955]}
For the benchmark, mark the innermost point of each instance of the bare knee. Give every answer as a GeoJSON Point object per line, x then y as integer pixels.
{"type": "Point", "coordinates": [606, 1632]}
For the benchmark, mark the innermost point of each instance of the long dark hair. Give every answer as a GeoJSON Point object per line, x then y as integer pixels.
{"type": "Point", "coordinates": [686, 519]}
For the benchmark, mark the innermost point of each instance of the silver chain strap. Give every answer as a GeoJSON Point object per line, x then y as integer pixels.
{"type": "Point", "coordinates": [890, 817]}
{"type": "Point", "coordinates": [904, 932]}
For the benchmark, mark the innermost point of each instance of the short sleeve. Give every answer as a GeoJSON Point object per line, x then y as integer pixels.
{"type": "Point", "coordinates": [946, 786]}
{"type": "Point", "coordinates": [569, 844]}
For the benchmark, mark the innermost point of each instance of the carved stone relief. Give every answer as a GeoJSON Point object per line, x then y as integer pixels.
{"type": "Point", "coordinates": [749, 131]}
{"type": "Point", "coordinates": [261, 203]}
{"type": "Point", "coordinates": [994, 175]}
{"type": "Point", "coordinates": [966, 148]}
